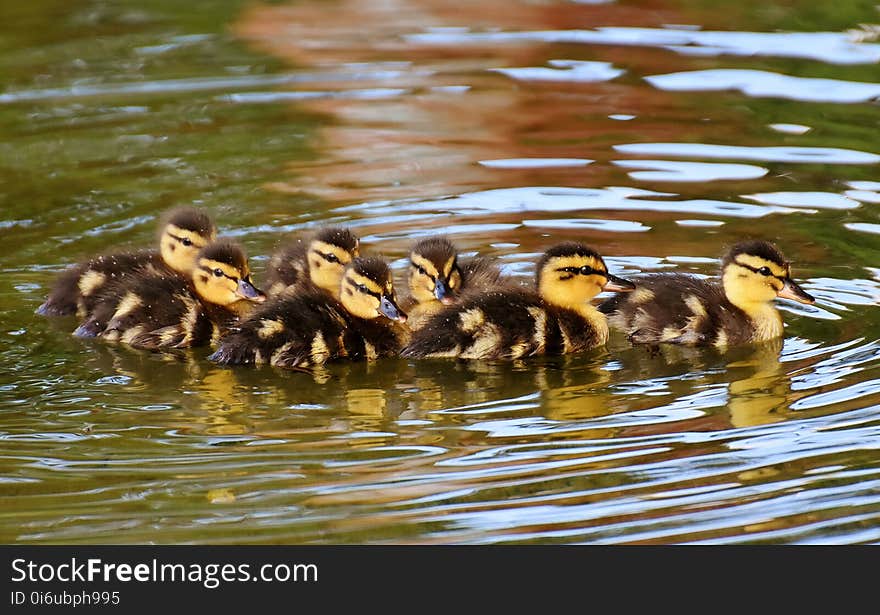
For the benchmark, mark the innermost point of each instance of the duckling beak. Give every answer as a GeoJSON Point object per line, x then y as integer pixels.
{"type": "Point", "coordinates": [794, 292]}
{"type": "Point", "coordinates": [618, 285]}
{"type": "Point", "coordinates": [441, 291]}
{"type": "Point", "coordinates": [246, 290]}
{"type": "Point", "coordinates": [390, 309]}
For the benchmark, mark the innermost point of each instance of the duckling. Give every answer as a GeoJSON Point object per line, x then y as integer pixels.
{"type": "Point", "coordinates": [152, 310]}
{"type": "Point", "coordinates": [318, 261]}
{"type": "Point", "coordinates": [182, 233]}
{"type": "Point", "coordinates": [308, 328]}
{"type": "Point", "coordinates": [436, 278]}
{"type": "Point", "coordinates": [735, 309]}
{"type": "Point", "coordinates": [510, 323]}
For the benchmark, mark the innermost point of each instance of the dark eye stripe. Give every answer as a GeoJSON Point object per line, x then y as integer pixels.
{"type": "Point", "coordinates": [329, 257]}
{"type": "Point", "coordinates": [758, 270]}
{"type": "Point", "coordinates": [184, 240]}
{"type": "Point", "coordinates": [581, 271]}
{"type": "Point", "coordinates": [363, 289]}
{"type": "Point", "coordinates": [211, 271]}
{"type": "Point", "coordinates": [423, 271]}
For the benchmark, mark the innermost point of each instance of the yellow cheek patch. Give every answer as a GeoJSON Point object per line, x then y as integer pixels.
{"type": "Point", "coordinates": [424, 263]}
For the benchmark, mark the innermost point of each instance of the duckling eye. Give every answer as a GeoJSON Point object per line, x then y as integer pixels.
{"type": "Point", "coordinates": [186, 241]}
{"type": "Point", "coordinates": [765, 271]}
{"type": "Point", "coordinates": [218, 272]}
{"type": "Point", "coordinates": [587, 270]}
{"type": "Point", "coordinates": [332, 258]}
{"type": "Point", "coordinates": [361, 288]}
{"type": "Point", "coordinates": [421, 270]}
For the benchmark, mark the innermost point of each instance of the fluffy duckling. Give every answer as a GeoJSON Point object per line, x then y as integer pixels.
{"type": "Point", "coordinates": [436, 278]}
{"type": "Point", "coordinates": [512, 323]}
{"type": "Point", "coordinates": [681, 309]}
{"type": "Point", "coordinates": [155, 311]}
{"type": "Point", "coordinates": [182, 233]}
{"type": "Point", "coordinates": [318, 261]}
{"type": "Point", "coordinates": [308, 328]}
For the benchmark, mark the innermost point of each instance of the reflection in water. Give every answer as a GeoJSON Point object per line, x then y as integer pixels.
{"type": "Point", "coordinates": [511, 125]}
{"type": "Point", "coordinates": [764, 393]}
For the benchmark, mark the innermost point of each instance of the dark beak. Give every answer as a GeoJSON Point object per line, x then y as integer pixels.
{"type": "Point", "coordinates": [390, 309]}
{"type": "Point", "coordinates": [441, 291]}
{"type": "Point", "coordinates": [246, 290]}
{"type": "Point", "coordinates": [618, 285]}
{"type": "Point", "coordinates": [794, 292]}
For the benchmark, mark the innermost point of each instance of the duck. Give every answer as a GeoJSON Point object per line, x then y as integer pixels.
{"type": "Point", "coordinates": [318, 260]}
{"type": "Point", "coordinates": [436, 278]}
{"type": "Point", "coordinates": [556, 317]}
{"type": "Point", "coordinates": [153, 310]}
{"type": "Point", "coordinates": [183, 231]}
{"type": "Point", "coordinates": [736, 308]}
{"type": "Point", "coordinates": [304, 330]}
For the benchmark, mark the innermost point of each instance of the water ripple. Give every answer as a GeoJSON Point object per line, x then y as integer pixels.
{"type": "Point", "coordinates": [565, 70]}
{"type": "Point", "coordinates": [559, 199]}
{"type": "Point", "coordinates": [832, 47]}
{"type": "Point", "coordinates": [812, 155]}
{"type": "Point", "coordinates": [761, 83]}
{"type": "Point", "coordinates": [675, 171]}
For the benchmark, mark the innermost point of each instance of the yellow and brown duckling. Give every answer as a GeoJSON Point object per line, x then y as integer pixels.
{"type": "Point", "coordinates": [511, 323]}
{"type": "Point", "coordinates": [182, 233]}
{"type": "Point", "coordinates": [436, 278]}
{"type": "Point", "coordinates": [735, 309]}
{"type": "Point", "coordinates": [310, 327]}
{"type": "Point", "coordinates": [318, 260]}
{"type": "Point", "coordinates": [155, 310]}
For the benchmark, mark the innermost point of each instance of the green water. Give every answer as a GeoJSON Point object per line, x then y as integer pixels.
{"type": "Point", "coordinates": [278, 117]}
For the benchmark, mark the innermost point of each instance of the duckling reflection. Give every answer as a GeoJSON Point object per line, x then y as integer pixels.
{"type": "Point", "coordinates": [763, 396]}
{"type": "Point", "coordinates": [563, 388]}
{"type": "Point", "coordinates": [756, 387]}
{"type": "Point", "coordinates": [575, 389]}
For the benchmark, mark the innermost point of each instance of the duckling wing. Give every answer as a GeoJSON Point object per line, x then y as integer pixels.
{"type": "Point", "coordinates": [98, 308]}
{"type": "Point", "coordinates": [671, 308]}
{"type": "Point", "coordinates": [500, 324]}
{"type": "Point", "coordinates": [76, 288]}
{"type": "Point", "coordinates": [287, 266]}
{"type": "Point", "coordinates": [290, 331]}
{"type": "Point", "coordinates": [480, 273]}
{"type": "Point", "coordinates": [155, 311]}
{"type": "Point", "coordinates": [371, 339]}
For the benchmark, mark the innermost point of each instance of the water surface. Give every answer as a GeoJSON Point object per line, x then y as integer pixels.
{"type": "Point", "coordinates": [658, 133]}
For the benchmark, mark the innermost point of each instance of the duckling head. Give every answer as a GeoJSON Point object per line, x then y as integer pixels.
{"type": "Point", "coordinates": [222, 275]}
{"type": "Point", "coordinates": [570, 274]}
{"type": "Point", "coordinates": [183, 232]}
{"type": "Point", "coordinates": [433, 271]}
{"type": "Point", "coordinates": [330, 250]}
{"type": "Point", "coordinates": [754, 273]}
{"type": "Point", "coordinates": [367, 290]}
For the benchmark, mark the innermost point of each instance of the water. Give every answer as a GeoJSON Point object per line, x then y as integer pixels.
{"type": "Point", "coordinates": [657, 133]}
